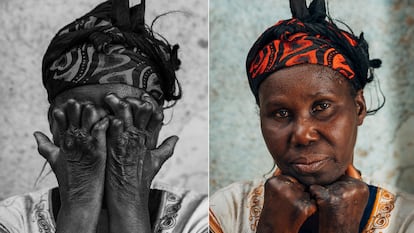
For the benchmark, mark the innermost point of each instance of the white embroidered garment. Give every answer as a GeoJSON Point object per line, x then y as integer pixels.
{"type": "Point", "coordinates": [179, 211]}
{"type": "Point", "coordinates": [237, 208]}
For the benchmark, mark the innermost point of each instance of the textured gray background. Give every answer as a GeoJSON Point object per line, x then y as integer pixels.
{"type": "Point", "coordinates": [385, 146]}
{"type": "Point", "coordinates": [27, 26]}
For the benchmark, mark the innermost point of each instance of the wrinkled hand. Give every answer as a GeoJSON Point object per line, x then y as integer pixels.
{"type": "Point", "coordinates": [78, 158]}
{"type": "Point", "coordinates": [286, 206]}
{"type": "Point", "coordinates": [133, 159]}
{"type": "Point", "coordinates": [341, 205]}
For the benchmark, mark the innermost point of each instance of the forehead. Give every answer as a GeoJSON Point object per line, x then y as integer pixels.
{"type": "Point", "coordinates": [303, 81]}
{"type": "Point", "coordinates": [96, 93]}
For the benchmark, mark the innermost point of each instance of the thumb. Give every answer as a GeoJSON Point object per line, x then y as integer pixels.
{"type": "Point", "coordinates": [321, 194]}
{"type": "Point", "coordinates": [165, 150]}
{"type": "Point", "coordinates": [46, 148]}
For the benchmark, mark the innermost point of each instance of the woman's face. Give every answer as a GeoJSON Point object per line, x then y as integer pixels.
{"type": "Point", "coordinates": [309, 121]}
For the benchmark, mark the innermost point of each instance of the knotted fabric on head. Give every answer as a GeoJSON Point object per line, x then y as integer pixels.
{"type": "Point", "coordinates": [110, 44]}
{"type": "Point", "coordinates": [308, 38]}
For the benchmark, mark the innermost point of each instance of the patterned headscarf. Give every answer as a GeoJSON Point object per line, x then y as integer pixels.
{"type": "Point", "coordinates": [111, 44]}
{"type": "Point", "coordinates": [308, 38]}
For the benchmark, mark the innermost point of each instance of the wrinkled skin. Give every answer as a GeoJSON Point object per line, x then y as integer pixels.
{"type": "Point", "coordinates": [105, 152]}
{"type": "Point", "coordinates": [78, 161]}
{"type": "Point", "coordinates": [341, 204]}
{"type": "Point", "coordinates": [133, 160]}
{"type": "Point", "coordinates": [309, 118]}
{"type": "Point", "coordinates": [285, 193]}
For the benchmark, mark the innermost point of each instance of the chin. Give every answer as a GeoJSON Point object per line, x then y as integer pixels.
{"type": "Point", "coordinates": [322, 180]}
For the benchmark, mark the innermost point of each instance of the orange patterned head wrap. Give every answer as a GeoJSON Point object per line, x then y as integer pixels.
{"type": "Point", "coordinates": [308, 38]}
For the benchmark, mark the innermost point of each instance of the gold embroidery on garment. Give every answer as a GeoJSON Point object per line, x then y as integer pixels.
{"type": "Point", "coordinates": [381, 213]}
{"type": "Point", "coordinates": [255, 206]}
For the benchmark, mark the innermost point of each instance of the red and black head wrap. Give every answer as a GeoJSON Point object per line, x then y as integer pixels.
{"type": "Point", "coordinates": [111, 44]}
{"type": "Point", "coordinates": [308, 38]}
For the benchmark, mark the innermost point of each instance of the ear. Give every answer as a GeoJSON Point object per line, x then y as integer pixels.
{"type": "Point", "coordinates": [361, 107]}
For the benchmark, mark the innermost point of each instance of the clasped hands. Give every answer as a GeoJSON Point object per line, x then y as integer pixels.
{"type": "Point", "coordinates": [98, 155]}
{"type": "Point", "coordinates": [288, 204]}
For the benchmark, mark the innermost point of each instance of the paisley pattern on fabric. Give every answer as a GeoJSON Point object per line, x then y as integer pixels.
{"type": "Point", "coordinates": [42, 217]}
{"type": "Point", "coordinates": [256, 199]}
{"type": "Point", "coordinates": [381, 213]}
{"type": "Point", "coordinates": [169, 219]}
{"type": "Point", "coordinates": [100, 62]}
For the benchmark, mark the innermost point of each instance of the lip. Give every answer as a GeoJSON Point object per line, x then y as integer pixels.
{"type": "Point", "coordinates": [308, 166]}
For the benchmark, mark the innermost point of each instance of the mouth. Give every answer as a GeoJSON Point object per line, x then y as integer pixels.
{"type": "Point", "coordinates": [309, 166]}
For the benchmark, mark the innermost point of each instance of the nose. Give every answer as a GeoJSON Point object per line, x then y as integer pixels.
{"type": "Point", "coordinates": [304, 132]}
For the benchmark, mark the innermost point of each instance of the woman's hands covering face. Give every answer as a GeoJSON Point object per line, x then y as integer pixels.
{"type": "Point", "coordinates": [93, 149]}
{"type": "Point", "coordinates": [78, 160]}
{"type": "Point", "coordinates": [132, 159]}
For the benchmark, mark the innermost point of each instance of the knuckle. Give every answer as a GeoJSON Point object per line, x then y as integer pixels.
{"type": "Point", "coordinates": [133, 101]}
{"type": "Point", "coordinates": [147, 107]}
{"type": "Point", "coordinates": [116, 122]}
{"type": "Point", "coordinates": [123, 105]}
{"type": "Point", "coordinates": [272, 184]}
{"type": "Point", "coordinates": [89, 107]}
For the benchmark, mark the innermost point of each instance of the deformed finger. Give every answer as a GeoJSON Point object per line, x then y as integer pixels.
{"type": "Point", "coordinates": [320, 193]}
{"type": "Point", "coordinates": [156, 121]}
{"type": "Point", "coordinates": [121, 109]}
{"type": "Point", "coordinates": [60, 120]}
{"type": "Point", "coordinates": [116, 127]}
{"type": "Point", "coordinates": [89, 117]}
{"type": "Point", "coordinates": [73, 113]}
{"type": "Point", "coordinates": [142, 115]}
{"type": "Point", "coordinates": [99, 131]}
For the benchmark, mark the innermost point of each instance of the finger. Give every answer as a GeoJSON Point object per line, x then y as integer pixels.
{"type": "Point", "coordinates": [142, 115]}
{"type": "Point", "coordinates": [46, 148]}
{"type": "Point", "coordinates": [116, 128]}
{"type": "Point", "coordinates": [155, 122]}
{"type": "Point", "coordinates": [89, 117]}
{"type": "Point", "coordinates": [121, 109]}
{"type": "Point", "coordinates": [164, 151]}
{"type": "Point", "coordinates": [320, 193]}
{"type": "Point", "coordinates": [73, 113]}
{"type": "Point", "coordinates": [139, 109]}
{"type": "Point", "coordinates": [148, 98]}
{"type": "Point", "coordinates": [99, 131]}
{"type": "Point", "coordinates": [289, 180]}
{"type": "Point", "coordinates": [60, 120]}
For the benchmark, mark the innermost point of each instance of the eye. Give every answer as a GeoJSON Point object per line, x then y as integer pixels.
{"type": "Point", "coordinates": [282, 113]}
{"type": "Point", "coordinates": [319, 107]}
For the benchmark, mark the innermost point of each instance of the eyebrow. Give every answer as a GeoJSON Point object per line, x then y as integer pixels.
{"type": "Point", "coordinates": [324, 92]}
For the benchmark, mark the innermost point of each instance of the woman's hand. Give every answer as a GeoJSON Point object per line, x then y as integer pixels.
{"type": "Point", "coordinates": [78, 161]}
{"type": "Point", "coordinates": [341, 205]}
{"type": "Point", "coordinates": [133, 160]}
{"type": "Point", "coordinates": [286, 206]}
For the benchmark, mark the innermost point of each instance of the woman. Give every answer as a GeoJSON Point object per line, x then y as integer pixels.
{"type": "Point", "coordinates": [308, 76]}
{"type": "Point", "coordinates": [107, 78]}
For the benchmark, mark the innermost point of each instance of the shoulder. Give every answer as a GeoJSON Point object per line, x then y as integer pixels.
{"type": "Point", "coordinates": [29, 212]}
{"type": "Point", "coordinates": [237, 207]}
{"type": "Point", "coordinates": [180, 210]}
{"type": "Point", "coordinates": [392, 211]}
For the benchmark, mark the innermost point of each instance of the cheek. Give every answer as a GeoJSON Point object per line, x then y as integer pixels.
{"type": "Point", "coordinates": [343, 135]}
{"type": "Point", "coordinates": [275, 139]}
